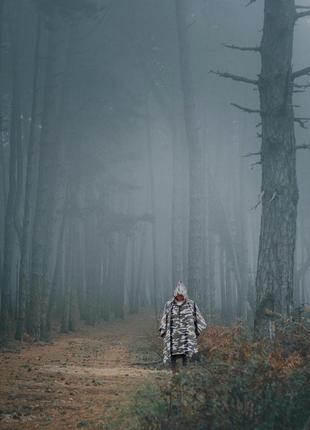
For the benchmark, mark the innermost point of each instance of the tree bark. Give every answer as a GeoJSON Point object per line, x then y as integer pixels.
{"type": "Point", "coordinates": [28, 201]}
{"type": "Point", "coordinates": [177, 245]}
{"type": "Point", "coordinates": [275, 268]}
{"type": "Point", "coordinates": [2, 156]}
{"type": "Point", "coordinates": [9, 232]}
{"type": "Point", "coordinates": [222, 281]}
{"type": "Point", "coordinates": [195, 247]}
{"type": "Point", "coordinates": [48, 157]}
{"type": "Point", "coordinates": [240, 238]}
{"type": "Point", "coordinates": [155, 288]}
{"type": "Point", "coordinates": [57, 275]}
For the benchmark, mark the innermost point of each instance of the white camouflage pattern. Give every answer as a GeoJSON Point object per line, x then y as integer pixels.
{"type": "Point", "coordinates": [180, 326]}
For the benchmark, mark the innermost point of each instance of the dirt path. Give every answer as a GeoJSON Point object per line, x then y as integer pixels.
{"type": "Point", "coordinates": [81, 380]}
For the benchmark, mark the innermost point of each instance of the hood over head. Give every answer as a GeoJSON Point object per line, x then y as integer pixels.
{"type": "Point", "coordinates": [180, 289]}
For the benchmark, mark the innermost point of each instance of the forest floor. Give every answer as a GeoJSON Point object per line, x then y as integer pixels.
{"type": "Point", "coordinates": [79, 380]}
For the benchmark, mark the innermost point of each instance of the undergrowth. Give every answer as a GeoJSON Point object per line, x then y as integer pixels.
{"type": "Point", "coordinates": [237, 384]}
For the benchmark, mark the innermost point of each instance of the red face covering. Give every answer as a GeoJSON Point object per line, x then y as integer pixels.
{"type": "Point", "coordinates": [179, 297]}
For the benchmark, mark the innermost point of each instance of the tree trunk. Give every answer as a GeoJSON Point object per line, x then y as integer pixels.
{"type": "Point", "coordinates": [48, 157]}
{"type": "Point", "coordinates": [177, 243]}
{"type": "Point", "coordinates": [275, 268]}
{"type": "Point", "coordinates": [122, 245]}
{"type": "Point", "coordinates": [9, 233]}
{"type": "Point", "coordinates": [57, 272]}
{"type": "Point", "coordinates": [228, 291]}
{"type": "Point", "coordinates": [28, 202]}
{"type": "Point", "coordinates": [240, 222]}
{"type": "Point", "coordinates": [2, 153]}
{"type": "Point", "coordinates": [211, 275]}
{"type": "Point", "coordinates": [155, 286]}
{"type": "Point", "coordinates": [65, 321]}
{"type": "Point", "coordinates": [195, 247]}
{"type": "Point", "coordinates": [57, 192]}
{"type": "Point", "coordinates": [132, 293]}
{"type": "Point", "coordinates": [222, 281]}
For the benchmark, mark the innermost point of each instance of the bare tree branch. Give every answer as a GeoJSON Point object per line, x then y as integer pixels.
{"type": "Point", "coordinates": [255, 164]}
{"type": "Point", "coordinates": [243, 48]}
{"type": "Point", "coordinates": [302, 14]}
{"type": "Point", "coordinates": [274, 195]}
{"type": "Point", "coordinates": [191, 23]}
{"type": "Point", "coordinates": [235, 77]}
{"type": "Point", "coordinates": [301, 86]}
{"type": "Point", "coordinates": [259, 201]}
{"type": "Point", "coordinates": [302, 121]}
{"type": "Point", "coordinates": [250, 2]}
{"type": "Point", "coordinates": [303, 146]}
{"type": "Point", "coordinates": [302, 72]}
{"type": "Point", "coordinates": [250, 154]}
{"type": "Point", "coordinates": [248, 110]}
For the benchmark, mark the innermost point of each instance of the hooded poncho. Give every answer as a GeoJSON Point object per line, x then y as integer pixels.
{"type": "Point", "coordinates": [180, 325]}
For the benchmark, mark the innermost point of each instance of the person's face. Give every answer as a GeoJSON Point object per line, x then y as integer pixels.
{"type": "Point", "coordinates": [179, 297]}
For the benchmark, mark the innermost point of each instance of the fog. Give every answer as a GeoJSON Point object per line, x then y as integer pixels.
{"type": "Point", "coordinates": [95, 217]}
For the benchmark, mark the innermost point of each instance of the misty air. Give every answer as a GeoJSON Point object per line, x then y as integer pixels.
{"type": "Point", "coordinates": [154, 214]}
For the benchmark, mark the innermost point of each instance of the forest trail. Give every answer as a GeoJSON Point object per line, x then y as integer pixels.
{"type": "Point", "coordinates": [80, 380]}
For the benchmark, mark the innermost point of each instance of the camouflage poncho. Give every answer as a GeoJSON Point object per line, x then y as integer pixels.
{"type": "Point", "coordinates": [180, 325]}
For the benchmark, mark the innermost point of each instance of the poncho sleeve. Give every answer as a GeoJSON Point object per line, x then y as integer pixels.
{"type": "Point", "coordinates": [200, 323]}
{"type": "Point", "coordinates": [163, 322]}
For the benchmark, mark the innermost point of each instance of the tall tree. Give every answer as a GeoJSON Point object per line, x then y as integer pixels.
{"type": "Point", "coordinates": [49, 150]}
{"type": "Point", "coordinates": [29, 191]}
{"type": "Point", "coordinates": [279, 191]}
{"type": "Point", "coordinates": [15, 136]}
{"type": "Point", "coordinates": [195, 147]}
{"type": "Point", "coordinates": [275, 268]}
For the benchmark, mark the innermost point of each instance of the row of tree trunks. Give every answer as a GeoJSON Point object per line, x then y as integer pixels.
{"type": "Point", "coordinates": [56, 266]}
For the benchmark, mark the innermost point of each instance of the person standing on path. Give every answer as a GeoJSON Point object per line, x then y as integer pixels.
{"type": "Point", "coordinates": [180, 326]}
